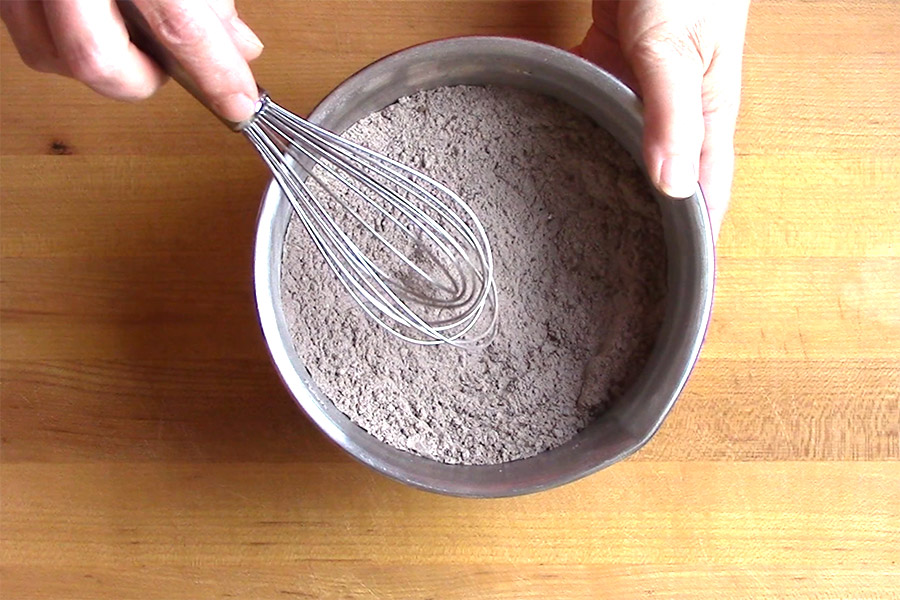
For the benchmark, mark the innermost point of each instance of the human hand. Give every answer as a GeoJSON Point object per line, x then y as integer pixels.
{"type": "Point", "coordinates": [87, 40]}
{"type": "Point", "coordinates": [684, 59]}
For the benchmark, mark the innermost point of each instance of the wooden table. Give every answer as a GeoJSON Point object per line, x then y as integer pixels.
{"type": "Point", "coordinates": [149, 450]}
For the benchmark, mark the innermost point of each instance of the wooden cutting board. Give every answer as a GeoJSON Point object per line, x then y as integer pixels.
{"type": "Point", "coordinates": [149, 450]}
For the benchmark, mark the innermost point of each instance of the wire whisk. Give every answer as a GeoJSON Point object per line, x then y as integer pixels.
{"type": "Point", "coordinates": [408, 250]}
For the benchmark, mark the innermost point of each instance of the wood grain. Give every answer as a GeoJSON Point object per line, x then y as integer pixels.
{"type": "Point", "coordinates": [351, 514]}
{"type": "Point", "coordinates": [148, 449]}
{"type": "Point", "coordinates": [352, 580]}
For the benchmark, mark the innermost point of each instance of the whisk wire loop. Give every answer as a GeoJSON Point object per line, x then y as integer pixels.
{"type": "Point", "coordinates": [346, 155]}
{"type": "Point", "coordinates": [410, 252]}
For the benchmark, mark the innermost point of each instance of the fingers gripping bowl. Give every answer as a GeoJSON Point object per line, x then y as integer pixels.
{"type": "Point", "coordinates": [633, 417]}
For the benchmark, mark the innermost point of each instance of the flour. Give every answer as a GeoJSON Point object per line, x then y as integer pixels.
{"type": "Point", "coordinates": [580, 271]}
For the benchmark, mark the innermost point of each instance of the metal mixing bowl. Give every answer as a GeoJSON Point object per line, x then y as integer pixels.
{"type": "Point", "coordinates": [634, 417]}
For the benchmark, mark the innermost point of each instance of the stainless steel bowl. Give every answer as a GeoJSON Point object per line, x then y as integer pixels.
{"type": "Point", "coordinates": [632, 419]}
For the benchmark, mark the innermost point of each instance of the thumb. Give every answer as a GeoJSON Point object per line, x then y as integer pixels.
{"type": "Point", "coordinates": [669, 69]}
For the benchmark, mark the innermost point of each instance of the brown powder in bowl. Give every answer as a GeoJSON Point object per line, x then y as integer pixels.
{"type": "Point", "coordinates": [580, 267]}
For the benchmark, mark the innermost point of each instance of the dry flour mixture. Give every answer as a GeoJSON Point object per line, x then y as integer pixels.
{"type": "Point", "coordinates": [580, 267]}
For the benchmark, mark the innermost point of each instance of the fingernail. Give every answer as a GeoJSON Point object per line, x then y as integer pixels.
{"type": "Point", "coordinates": [678, 176]}
{"type": "Point", "coordinates": [237, 107]}
{"type": "Point", "coordinates": [245, 32]}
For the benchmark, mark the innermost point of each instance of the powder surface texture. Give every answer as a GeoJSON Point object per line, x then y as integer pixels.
{"type": "Point", "coordinates": [580, 270]}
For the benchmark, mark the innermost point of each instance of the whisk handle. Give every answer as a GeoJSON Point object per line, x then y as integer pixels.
{"type": "Point", "coordinates": [144, 38]}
